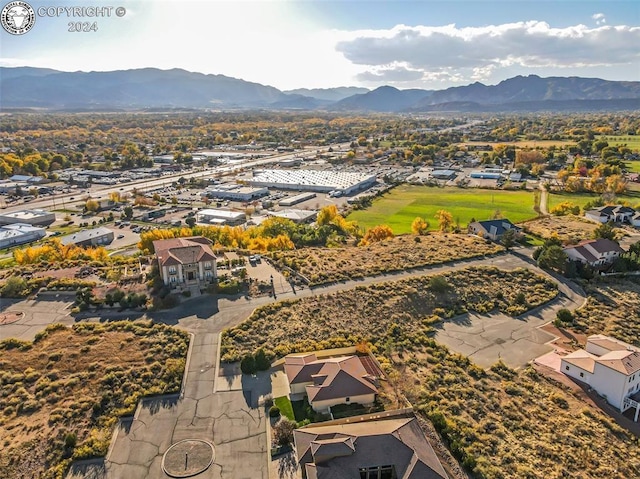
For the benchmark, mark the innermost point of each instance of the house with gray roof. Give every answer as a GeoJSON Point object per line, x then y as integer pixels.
{"type": "Point", "coordinates": [614, 213]}
{"type": "Point", "coordinates": [391, 445]}
{"type": "Point", "coordinates": [328, 382]}
{"type": "Point", "coordinates": [596, 252]}
{"type": "Point", "coordinates": [611, 367]}
{"type": "Point", "coordinates": [492, 229]}
{"type": "Point", "coordinates": [185, 261]}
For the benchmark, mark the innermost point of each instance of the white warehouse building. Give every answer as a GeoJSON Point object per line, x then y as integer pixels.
{"type": "Point", "coordinates": [313, 180]}
{"type": "Point", "coordinates": [28, 217]}
{"type": "Point", "coordinates": [18, 233]}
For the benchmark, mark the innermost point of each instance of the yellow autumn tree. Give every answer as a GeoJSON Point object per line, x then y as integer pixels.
{"type": "Point", "coordinates": [445, 220]}
{"type": "Point", "coordinates": [419, 226]}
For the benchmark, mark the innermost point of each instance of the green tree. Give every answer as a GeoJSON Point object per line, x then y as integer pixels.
{"type": "Point", "coordinates": [605, 231]}
{"type": "Point", "coordinates": [127, 212]}
{"type": "Point", "coordinates": [553, 258]}
{"type": "Point", "coordinates": [190, 221]}
{"type": "Point", "coordinates": [509, 239]}
{"type": "Point", "coordinates": [248, 365]}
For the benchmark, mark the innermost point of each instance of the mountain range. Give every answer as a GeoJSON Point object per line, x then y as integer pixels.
{"type": "Point", "coordinates": [151, 88]}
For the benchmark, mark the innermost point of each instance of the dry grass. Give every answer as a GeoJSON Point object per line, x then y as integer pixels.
{"type": "Point", "coordinates": [399, 311]}
{"type": "Point", "coordinates": [78, 381]}
{"type": "Point", "coordinates": [569, 228]}
{"type": "Point", "coordinates": [500, 424]}
{"type": "Point", "coordinates": [613, 308]}
{"type": "Point", "coordinates": [327, 265]}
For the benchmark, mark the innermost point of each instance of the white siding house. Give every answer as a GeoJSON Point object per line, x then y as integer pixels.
{"type": "Point", "coordinates": [609, 366]}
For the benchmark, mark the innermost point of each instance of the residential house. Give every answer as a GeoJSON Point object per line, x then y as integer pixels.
{"type": "Point", "coordinates": [635, 220]}
{"type": "Point", "coordinates": [597, 252]}
{"type": "Point", "coordinates": [615, 213]}
{"type": "Point", "coordinates": [185, 261]}
{"type": "Point", "coordinates": [492, 229]}
{"type": "Point", "coordinates": [609, 366]}
{"type": "Point", "coordinates": [330, 381]}
{"type": "Point", "coordinates": [389, 447]}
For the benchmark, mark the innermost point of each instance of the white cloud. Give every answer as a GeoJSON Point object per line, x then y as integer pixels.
{"type": "Point", "coordinates": [599, 18]}
{"type": "Point", "coordinates": [478, 53]}
{"type": "Point", "coordinates": [395, 73]}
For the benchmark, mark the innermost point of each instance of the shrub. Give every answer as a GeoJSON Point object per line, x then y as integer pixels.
{"type": "Point", "coordinates": [261, 361]}
{"type": "Point", "coordinates": [248, 365]}
{"type": "Point", "coordinates": [283, 432]}
{"type": "Point", "coordinates": [564, 316]}
{"type": "Point", "coordinates": [439, 284]}
{"type": "Point", "coordinates": [14, 287]}
{"type": "Point", "coordinates": [274, 411]}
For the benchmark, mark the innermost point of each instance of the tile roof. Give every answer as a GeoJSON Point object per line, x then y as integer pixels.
{"type": "Point", "coordinates": [621, 357]}
{"type": "Point", "coordinates": [183, 250]}
{"type": "Point", "coordinates": [581, 359]}
{"type": "Point", "coordinates": [396, 441]}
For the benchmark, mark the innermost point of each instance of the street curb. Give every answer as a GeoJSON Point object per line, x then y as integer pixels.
{"type": "Point", "coordinates": [217, 370]}
{"type": "Point", "coordinates": [186, 365]}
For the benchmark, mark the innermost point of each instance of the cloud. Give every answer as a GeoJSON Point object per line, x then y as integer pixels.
{"type": "Point", "coordinates": [599, 18]}
{"type": "Point", "coordinates": [475, 53]}
{"type": "Point", "coordinates": [390, 73]}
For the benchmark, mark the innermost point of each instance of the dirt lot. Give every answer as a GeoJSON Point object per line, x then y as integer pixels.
{"type": "Point", "coordinates": [570, 228]}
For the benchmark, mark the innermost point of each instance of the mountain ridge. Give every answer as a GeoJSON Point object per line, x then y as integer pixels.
{"type": "Point", "coordinates": [153, 88]}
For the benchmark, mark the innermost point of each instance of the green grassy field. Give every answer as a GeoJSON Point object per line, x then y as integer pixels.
{"type": "Point", "coordinates": [581, 199]}
{"type": "Point", "coordinates": [632, 141]}
{"type": "Point", "coordinates": [400, 206]}
{"type": "Point", "coordinates": [633, 166]}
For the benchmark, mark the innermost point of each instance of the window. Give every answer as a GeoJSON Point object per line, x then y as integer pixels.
{"type": "Point", "coordinates": [172, 279]}
{"type": "Point", "coordinates": [347, 400]}
{"type": "Point", "coordinates": [207, 265]}
{"type": "Point", "coordinates": [378, 472]}
{"type": "Point", "coordinates": [581, 375]}
{"type": "Point", "coordinates": [208, 274]}
{"type": "Point", "coordinates": [172, 270]}
{"type": "Point", "coordinates": [566, 367]}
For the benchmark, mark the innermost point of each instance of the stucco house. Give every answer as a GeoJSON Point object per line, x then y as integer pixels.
{"type": "Point", "coordinates": [597, 252]}
{"type": "Point", "coordinates": [330, 381]}
{"type": "Point", "coordinates": [615, 213]}
{"type": "Point", "coordinates": [185, 261]}
{"type": "Point", "coordinates": [492, 229]}
{"type": "Point", "coordinates": [365, 447]}
{"type": "Point", "coordinates": [611, 367]}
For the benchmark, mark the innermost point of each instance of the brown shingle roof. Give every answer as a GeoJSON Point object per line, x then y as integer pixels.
{"type": "Point", "coordinates": [391, 441]}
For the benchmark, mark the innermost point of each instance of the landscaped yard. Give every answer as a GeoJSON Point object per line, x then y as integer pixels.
{"type": "Point", "coordinates": [64, 405]}
{"type": "Point", "coordinates": [632, 141]}
{"type": "Point", "coordinates": [399, 207]}
{"type": "Point", "coordinates": [325, 265]}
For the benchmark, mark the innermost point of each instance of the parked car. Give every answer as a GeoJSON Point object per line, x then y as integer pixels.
{"type": "Point", "coordinates": [120, 236]}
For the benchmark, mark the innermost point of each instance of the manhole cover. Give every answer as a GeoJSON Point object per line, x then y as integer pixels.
{"type": "Point", "coordinates": [187, 458]}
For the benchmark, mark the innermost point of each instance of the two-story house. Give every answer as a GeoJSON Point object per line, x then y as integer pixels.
{"type": "Point", "coordinates": [595, 252]}
{"type": "Point", "coordinates": [185, 261]}
{"type": "Point", "coordinates": [609, 366]}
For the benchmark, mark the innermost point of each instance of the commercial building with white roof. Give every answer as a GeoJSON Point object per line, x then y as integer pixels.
{"type": "Point", "coordinates": [220, 217]}
{"type": "Point", "coordinates": [346, 182]}
{"type": "Point", "coordinates": [28, 217]}
{"type": "Point", "coordinates": [16, 234]}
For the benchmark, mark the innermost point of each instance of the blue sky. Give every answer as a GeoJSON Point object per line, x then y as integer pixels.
{"type": "Point", "coordinates": [314, 43]}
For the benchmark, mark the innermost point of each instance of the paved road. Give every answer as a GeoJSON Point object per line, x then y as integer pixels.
{"type": "Point", "coordinates": [231, 418]}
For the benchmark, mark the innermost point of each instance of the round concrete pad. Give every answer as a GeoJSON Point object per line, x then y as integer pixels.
{"type": "Point", "coordinates": [187, 458]}
{"type": "Point", "coordinates": [11, 317]}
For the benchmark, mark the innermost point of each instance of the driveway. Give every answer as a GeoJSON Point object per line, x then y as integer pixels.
{"type": "Point", "coordinates": [37, 314]}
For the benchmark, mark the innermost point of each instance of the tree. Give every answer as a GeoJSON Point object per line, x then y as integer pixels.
{"type": "Point", "coordinates": [605, 231]}
{"type": "Point", "coordinates": [553, 258]}
{"type": "Point", "coordinates": [378, 233]}
{"type": "Point", "coordinates": [92, 205]}
{"type": "Point", "coordinates": [445, 220]}
{"type": "Point", "coordinates": [564, 315]}
{"type": "Point", "coordinates": [419, 226]}
{"type": "Point", "coordinates": [262, 362]}
{"type": "Point", "coordinates": [248, 365]}
{"type": "Point", "coordinates": [509, 238]}
{"type": "Point", "coordinates": [190, 221]}
{"type": "Point", "coordinates": [283, 432]}
{"type": "Point", "coordinates": [127, 212]}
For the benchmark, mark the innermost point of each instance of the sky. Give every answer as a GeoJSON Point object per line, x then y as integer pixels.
{"type": "Point", "coordinates": [322, 44]}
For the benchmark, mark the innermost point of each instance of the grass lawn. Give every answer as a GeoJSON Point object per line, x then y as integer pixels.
{"type": "Point", "coordinates": [632, 141]}
{"type": "Point", "coordinates": [286, 409]}
{"type": "Point", "coordinates": [581, 199]}
{"type": "Point", "coordinates": [633, 166]}
{"type": "Point", "coordinates": [400, 206]}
